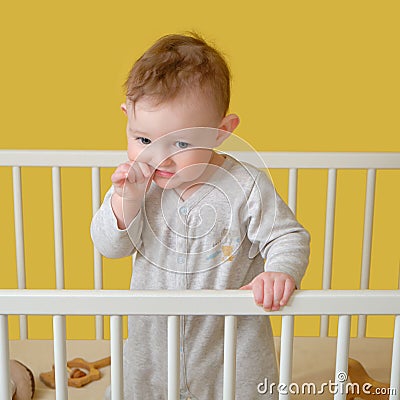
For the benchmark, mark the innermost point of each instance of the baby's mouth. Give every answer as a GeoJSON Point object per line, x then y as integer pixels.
{"type": "Point", "coordinates": [163, 174]}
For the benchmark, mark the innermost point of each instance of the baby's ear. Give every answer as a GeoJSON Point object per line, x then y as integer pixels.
{"type": "Point", "coordinates": [226, 127]}
{"type": "Point", "coordinates": [229, 123]}
{"type": "Point", "coordinates": [123, 108]}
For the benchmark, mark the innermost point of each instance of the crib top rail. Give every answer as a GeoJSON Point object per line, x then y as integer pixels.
{"type": "Point", "coordinates": [194, 302]}
{"type": "Point", "coordinates": [262, 159]}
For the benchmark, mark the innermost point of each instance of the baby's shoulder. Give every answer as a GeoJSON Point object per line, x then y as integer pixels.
{"type": "Point", "coordinates": [246, 172]}
{"type": "Point", "coordinates": [251, 179]}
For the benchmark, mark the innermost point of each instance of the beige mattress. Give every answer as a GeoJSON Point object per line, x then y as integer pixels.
{"type": "Point", "coordinates": [313, 362]}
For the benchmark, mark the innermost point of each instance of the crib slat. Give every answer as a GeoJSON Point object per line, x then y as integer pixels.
{"type": "Point", "coordinates": [230, 338]}
{"type": "Point", "coordinates": [292, 190]}
{"type": "Point", "coordinates": [342, 354]}
{"type": "Point", "coordinates": [367, 240]}
{"type": "Point", "coordinates": [328, 246]}
{"type": "Point", "coordinates": [19, 244]}
{"type": "Point", "coordinates": [173, 357]}
{"type": "Point", "coordinates": [60, 357]}
{"type": "Point", "coordinates": [5, 389]}
{"type": "Point", "coordinates": [23, 327]}
{"type": "Point", "coordinates": [98, 271]}
{"type": "Point", "coordinates": [117, 383]}
{"type": "Point", "coordinates": [395, 372]}
{"type": "Point", "coordinates": [58, 236]}
{"type": "Point", "coordinates": [19, 230]}
{"type": "Point", "coordinates": [97, 258]}
{"type": "Point", "coordinates": [285, 368]}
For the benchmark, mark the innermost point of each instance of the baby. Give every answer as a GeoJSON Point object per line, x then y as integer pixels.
{"type": "Point", "coordinates": [197, 219]}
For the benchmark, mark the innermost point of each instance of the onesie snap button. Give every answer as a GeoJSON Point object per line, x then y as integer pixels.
{"type": "Point", "coordinates": [183, 210]}
{"type": "Point", "coordinates": [180, 259]}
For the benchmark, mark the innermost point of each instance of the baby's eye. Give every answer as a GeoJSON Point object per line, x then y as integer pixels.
{"type": "Point", "coordinates": [182, 145]}
{"type": "Point", "coordinates": [144, 140]}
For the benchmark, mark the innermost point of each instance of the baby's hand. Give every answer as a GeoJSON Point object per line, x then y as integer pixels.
{"type": "Point", "coordinates": [130, 180]}
{"type": "Point", "coordinates": [271, 289]}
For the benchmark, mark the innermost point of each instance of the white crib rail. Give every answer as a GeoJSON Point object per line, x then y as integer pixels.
{"type": "Point", "coordinates": [395, 371]}
{"type": "Point", "coordinates": [208, 302]}
{"type": "Point", "coordinates": [19, 242]}
{"type": "Point", "coordinates": [342, 354]}
{"type": "Point", "coordinates": [230, 336]}
{"type": "Point", "coordinates": [60, 357]}
{"type": "Point", "coordinates": [367, 241]}
{"type": "Point", "coordinates": [97, 258]}
{"type": "Point", "coordinates": [193, 302]}
{"type": "Point", "coordinates": [117, 389]}
{"type": "Point", "coordinates": [5, 389]}
{"type": "Point", "coordinates": [262, 159]}
{"type": "Point", "coordinates": [328, 245]}
{"type": "Point", "coordinates": [173, 356]}
{"type": "Point", "coordinates": [285, 370]}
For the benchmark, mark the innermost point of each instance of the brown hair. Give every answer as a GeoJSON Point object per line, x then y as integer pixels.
{"type": "Point", "coordinates": [177, 64]}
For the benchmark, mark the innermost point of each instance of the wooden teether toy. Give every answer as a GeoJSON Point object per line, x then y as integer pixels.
{"type": "Point", "coordinates": [358, 374]}
{"type": "Point", "coordinates": [81, 372]}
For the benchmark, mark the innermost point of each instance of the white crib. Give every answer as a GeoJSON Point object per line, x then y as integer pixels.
{"type": "Point", "coordinates": [118, 303]}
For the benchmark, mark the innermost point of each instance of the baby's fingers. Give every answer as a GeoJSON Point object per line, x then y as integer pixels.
{"type": "Point", "coordinates": [263, 293]}
{"type": "Point", "coordinates": [279, 288]}
{"type": "Point", "coordinates": [139, 173]}
{"type": "Point", "coordinates": [268, 294]}
{"type": "Point", "coordinates": [121, 170]}
{"type": "Point", "coordinates": [118, 177]}
{"type": "Point", "coordinates": [146, 169]}
{"type": "Point", "coordinates": [289, 288]}
{"type": "Point", "coordinates": [246, 287]}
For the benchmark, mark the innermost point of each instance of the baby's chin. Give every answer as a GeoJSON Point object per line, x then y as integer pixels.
{"type": "Point", "coordinates": [173, 183]}
{"type": "Point", "coordinates": [163, 183]}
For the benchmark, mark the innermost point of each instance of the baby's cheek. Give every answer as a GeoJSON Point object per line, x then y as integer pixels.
{"type": "Point", "coordinates": [191, 172]}
{"type": "Point", "coordinates": [132, 153]}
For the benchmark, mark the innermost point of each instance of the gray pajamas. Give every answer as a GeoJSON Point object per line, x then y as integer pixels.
{"type": "Point", "coordinates": [219, 238]}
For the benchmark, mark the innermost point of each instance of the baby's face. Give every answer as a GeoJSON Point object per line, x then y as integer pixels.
{"type": "Point", "coordinates": [175, 138]}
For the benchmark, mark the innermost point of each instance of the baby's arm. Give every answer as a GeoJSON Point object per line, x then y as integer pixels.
{"type": "Point", "coordinates": [116, 227]}
{"type": "Point", "coordinates": [130, 181]}
{"type": "Point", "coordinates": [282, 242]}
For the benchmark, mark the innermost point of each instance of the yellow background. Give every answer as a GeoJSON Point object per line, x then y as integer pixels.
{"type": "Point", "coordinates": [307, 76]}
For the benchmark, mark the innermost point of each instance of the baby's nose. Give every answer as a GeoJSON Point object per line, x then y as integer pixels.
{"type": "Point", "coordinates": [157, 153]}
{"type": "Point", "coordinates": [160, 157]}
{"type": "Point", "coordinates": [165, 163]}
